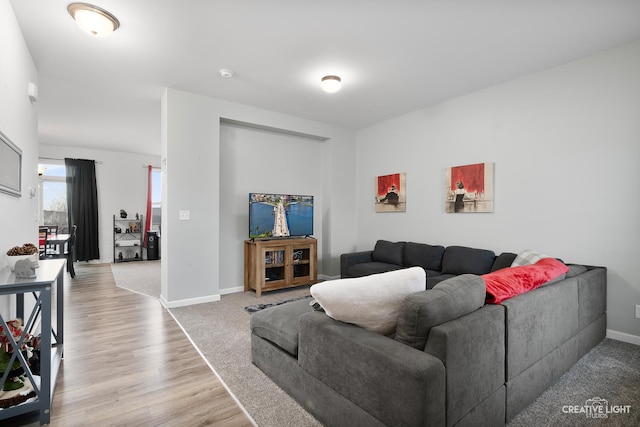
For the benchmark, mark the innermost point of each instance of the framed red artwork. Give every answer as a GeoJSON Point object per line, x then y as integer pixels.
{"type": "Point", "coordinates": [469, 188]}
{"type": "Point", "coordinates": [391, 193]}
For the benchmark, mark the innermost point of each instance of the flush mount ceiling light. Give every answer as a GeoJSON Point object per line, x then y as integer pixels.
{"type": "Point", "coordinates": [226, 72]}
{"type": "Point", "coordinates": [331, 84]}
{"type": "Point", "coordinates": [92, 19]}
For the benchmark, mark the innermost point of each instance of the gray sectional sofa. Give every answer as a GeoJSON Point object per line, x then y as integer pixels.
{"type": "Point", "coordinates": [453, 360]}
{"type": "Point", "coordinates": [438, 262]}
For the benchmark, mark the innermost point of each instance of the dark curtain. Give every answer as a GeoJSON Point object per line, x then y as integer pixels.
{"type": "Point", "coordinates": [82, 207]}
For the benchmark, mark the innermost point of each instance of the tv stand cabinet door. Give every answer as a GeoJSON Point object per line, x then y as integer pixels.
{"type": "Point", "coordinates": [303, 267]}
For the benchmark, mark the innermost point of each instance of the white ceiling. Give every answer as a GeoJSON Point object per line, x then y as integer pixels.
{"type": "Point", "coordinates": [393, 56]}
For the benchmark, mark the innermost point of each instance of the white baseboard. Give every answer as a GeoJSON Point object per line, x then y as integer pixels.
{"type": "Point", "coordinates": [621, 336]}
{"type": "Point", "coordinates": [231, 290]}
{"type": "Point", "coordinates": [241, 288]}
{"type": "Point", "coordinates": [189, 301]}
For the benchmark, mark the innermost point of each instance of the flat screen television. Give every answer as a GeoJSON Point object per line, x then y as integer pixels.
{"type": "Point", "coordinates": [280, 215]}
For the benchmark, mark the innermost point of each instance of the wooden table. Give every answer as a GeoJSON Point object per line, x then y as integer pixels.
{"type": "Point", "coordinates": [50, 273]}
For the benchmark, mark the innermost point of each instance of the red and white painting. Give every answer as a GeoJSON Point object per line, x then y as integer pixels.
{"type": "Point", "coordinates": [391, 193]}
{"type": "Point", "coordinates": [469, 188]}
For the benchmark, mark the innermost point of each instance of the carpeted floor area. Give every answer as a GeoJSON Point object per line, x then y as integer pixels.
{"type": "Point", "coordinates": [142, 277]}
{"type": "Point", "coordinates": [220, 330]}
{"type": "Point", "coordinates": [610, 371]}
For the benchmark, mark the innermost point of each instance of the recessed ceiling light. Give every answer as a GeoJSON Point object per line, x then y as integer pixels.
{"type": "Point", "coordinates": [331, 84]}
{"type": "Point", "coordinates": [226, 73]}
{"type": "Point", "coordinates": [92, 19]}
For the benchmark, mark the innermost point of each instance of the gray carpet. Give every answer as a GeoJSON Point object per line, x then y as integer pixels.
{"type": "Point", "coordinates": [220, 330]}
{"type": "Point", "coordinates": [611, 371]}
{"type": "Point", "coordinates": [142, 277]}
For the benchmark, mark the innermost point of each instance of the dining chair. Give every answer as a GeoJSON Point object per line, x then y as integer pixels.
{"type": "Point", "coordinates": [69, 253]}
{"type": "Point", "coordinates": [43, 233]}
{"type": "Point", "coordinates": [51, 250]}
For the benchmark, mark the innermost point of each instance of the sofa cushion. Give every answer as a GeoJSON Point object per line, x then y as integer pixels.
{"type": "Point", "coordinates": [371, 302]}
{"type": "Point", "coordinates": [423, 255]}
{"type": "Point", "coordinates": [509, 282]}
{"type": "Point", "coordinates": [368, 268]}
{"type": "Point", "coordinates": [279, 324]}
{"type": "Point", "coordinates": [388, 252]}
{"type": "Point", "coordinates": [448, 300]}
{"type": "Point", "coordinates": [463, 260]}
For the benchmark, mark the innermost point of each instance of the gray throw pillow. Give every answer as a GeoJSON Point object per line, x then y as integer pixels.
{"type": "Point", "coordinates": [503, 260]}
{"type": "Point", "coordinates": [448, 300]}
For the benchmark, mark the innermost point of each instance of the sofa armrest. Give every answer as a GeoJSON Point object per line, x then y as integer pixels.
{"type": "Point", "coordinates": [395, 383]}
{"type": "Point", "coordinates": [353, 258]}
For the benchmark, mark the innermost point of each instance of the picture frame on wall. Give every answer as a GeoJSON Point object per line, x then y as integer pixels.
{"type": "Point", "coordinates": [391, 193]}
{"type": "Point", "coordinates": [10, 167]}
{"type": "Point", "coordinates": [469, 188]}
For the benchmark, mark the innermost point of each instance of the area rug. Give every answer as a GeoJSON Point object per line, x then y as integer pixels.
{"type": "Point", "coordinates": [257, 307]}
{"type": "Point", "coordinates": [142, 277]}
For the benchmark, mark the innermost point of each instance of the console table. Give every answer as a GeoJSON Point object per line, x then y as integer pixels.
{"type": "Point", "coordinates": [50, 274]}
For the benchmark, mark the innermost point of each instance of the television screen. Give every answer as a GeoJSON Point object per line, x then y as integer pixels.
{"type": "Point", "coordinates": [280, 215]}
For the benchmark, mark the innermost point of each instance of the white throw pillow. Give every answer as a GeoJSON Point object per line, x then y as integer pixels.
{"type": "Point", "coordinates": [371, 302]}
{"type": "Point", "coordinates": [528, 257]}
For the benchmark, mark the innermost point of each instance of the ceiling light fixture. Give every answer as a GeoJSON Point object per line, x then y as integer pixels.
{"type": "Point", "coordinates": [92, 19]}
{"type": "Point", "coordinates": [331, 84]}
{"type": "Point", "coordinates": [226, 72]}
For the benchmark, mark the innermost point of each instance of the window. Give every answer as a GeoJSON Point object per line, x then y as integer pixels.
{"type": "Point", "coordinates": [53, 195]}
{"type": "Point", "coordinates": [156, 199]}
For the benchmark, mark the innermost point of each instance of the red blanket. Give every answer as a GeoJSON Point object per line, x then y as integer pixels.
{"type": "Point", "coordinates": [509, 282]}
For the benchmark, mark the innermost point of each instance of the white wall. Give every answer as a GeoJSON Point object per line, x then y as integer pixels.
{"type": "Point", "coordinates": [191, 141]}
{"type": "Point", "coordinates": [190, 147]}
{"type": "Point", "coordinates": [122, 184]}
{"type": "Point", "coordinates": [259, 160]}
{"type": "Point", "coordinates": [18, 121]}
{"type": "Point", "coordinates": [566, 146]}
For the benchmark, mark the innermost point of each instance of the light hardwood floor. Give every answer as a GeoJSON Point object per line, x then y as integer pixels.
{"type": "Point", "coordinates": [128, 363]}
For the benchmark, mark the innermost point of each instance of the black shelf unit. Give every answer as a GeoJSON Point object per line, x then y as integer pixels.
{"type": "Point", "coordinates": [127, 239]}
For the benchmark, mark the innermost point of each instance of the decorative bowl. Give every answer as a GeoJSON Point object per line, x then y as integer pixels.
{"type": "Point", "coordinates": [11, 260]}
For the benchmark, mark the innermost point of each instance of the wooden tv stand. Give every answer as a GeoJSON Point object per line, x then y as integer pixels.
{"type": "Point", "coordinates": [279, 263]}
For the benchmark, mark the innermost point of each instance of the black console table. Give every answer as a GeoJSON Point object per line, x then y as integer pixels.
{"type": "Point", "coordinates": [50, 275]}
